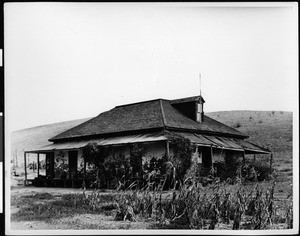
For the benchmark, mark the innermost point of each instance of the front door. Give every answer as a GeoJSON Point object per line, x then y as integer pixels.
{"type": "Point", "coordinates": [73, 164]}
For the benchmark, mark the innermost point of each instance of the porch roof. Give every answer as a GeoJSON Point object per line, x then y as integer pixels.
{"type": "Point", "coordinates": [226, 143]}
{"type": "Point", "coordinates": [203, 140]}
{"type": "Point", "coordinates": [102, 141]}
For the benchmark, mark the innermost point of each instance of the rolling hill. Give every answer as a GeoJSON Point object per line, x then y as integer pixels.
{"type": "Point", "coordinates": [272, 129]}
{"type": "Point", "coordinates": [32, 138]}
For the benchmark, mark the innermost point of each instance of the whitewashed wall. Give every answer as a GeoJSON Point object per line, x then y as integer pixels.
{"type": "Point", "coordinates": [155, 149]}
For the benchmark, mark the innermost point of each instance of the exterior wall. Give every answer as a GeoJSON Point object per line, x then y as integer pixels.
{"type": "Point", "coordinates": [155, 149]}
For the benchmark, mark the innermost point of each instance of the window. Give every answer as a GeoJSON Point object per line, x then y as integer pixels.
{"type": "Point", "coordinates": [198, 112]}
{"type": "Point", "coordinates": [199, 155]}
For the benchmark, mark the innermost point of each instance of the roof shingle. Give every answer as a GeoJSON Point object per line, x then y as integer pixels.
{"type": "Point", "coordinates": [152, 114]}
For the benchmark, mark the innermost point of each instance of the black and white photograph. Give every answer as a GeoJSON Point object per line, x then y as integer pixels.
{"type": "Point", "coordinates": [151, 118]}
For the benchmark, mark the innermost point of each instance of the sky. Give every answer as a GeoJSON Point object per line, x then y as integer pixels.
{"type": "Point", "coordinates": [66, 61]}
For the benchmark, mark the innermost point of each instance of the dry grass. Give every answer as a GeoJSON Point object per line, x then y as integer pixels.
{"type": "Point", "coordinates": [271, 129]}
{"type": "Point", "coordinates": [217, 206]}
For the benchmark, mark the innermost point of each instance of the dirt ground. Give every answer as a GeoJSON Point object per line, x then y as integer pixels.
{"type": "Point", "coordinates": [76, 221]}
{"type": "Point", "coordinates": [83, 220]}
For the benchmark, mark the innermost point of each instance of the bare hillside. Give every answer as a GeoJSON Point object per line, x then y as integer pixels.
{"type": "Point", "coordinates": [35, 137]}
{"type": "Point", "coordinates": [271, 129]}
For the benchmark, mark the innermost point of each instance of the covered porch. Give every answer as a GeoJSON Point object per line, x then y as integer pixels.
{"type": "Point", "coordinates": [72, 168]}
{"type": "Point", "coordinates": [42, 168]}
{"type": "Point", "coordinates": [46, 172]}
{"type": "Point", "coordinates": [211, 149]}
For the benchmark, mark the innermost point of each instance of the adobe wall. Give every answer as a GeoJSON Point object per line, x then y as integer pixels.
{"type": "Point", "coordinates": [155, 149]}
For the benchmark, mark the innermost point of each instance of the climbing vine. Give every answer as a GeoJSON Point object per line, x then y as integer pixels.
{"type": "Point", "coordinates": [182, 155]}
{"type": "Point", "coordinates": [95, 155]}
{"type": "Point", "coordinates": [137, 151]}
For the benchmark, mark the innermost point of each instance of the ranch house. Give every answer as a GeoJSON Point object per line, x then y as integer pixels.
{"type": "Point", "coordinates": [150, 123]}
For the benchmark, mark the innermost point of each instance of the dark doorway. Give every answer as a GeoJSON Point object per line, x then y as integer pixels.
{"type": "Point", "coordinates": [50, 165]}
{"type": "Point", "coordinates": [206, 157]}
{"type": "Point", "coordinates": [73, 164]}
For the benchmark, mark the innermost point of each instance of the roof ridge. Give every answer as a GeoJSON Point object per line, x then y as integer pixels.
{"type": "Point", "coordinates": [135, 103]}
{"type": "Point", "coordinates": [163, 113]}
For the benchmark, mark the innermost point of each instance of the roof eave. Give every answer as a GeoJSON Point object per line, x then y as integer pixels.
{"type": "Point", "coordinates": [106, 134]}
{"type": "Point", "coordinates": [207, 132]}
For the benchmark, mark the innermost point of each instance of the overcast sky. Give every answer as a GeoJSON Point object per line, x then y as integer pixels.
{"type": "Point", "coordinates": [66, 61]}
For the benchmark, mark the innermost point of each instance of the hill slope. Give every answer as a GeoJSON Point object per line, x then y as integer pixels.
{"type": "Point", "coordinates": [271, 129]}
{"type": "Point", "coordinates": [32, 138]}
{"type": "Point", "coordinates": [265, 128]}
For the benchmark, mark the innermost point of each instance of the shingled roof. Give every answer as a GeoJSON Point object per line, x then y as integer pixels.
{"type": "Point", "coordinates": [148, 115]}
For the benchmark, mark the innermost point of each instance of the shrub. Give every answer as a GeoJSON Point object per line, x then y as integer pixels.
{"type": "Point", "coordinates": [137, 151]}
{"type": "Point", "coordinates": [116, 167]}
{"type": "Point", "coordinates": [232, 163]}
{"type": "Point", "coordinates": [263, 171]}
{"type": "Point", "coordinates": [256, 171]}
{"type": "Point", "coordinates": [229, 168]}
{"type": "Point", "coordinates": [95, 154]}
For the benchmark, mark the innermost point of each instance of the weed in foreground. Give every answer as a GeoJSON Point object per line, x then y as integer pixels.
{"type": "Point", "coordinates": [217, 206]}
{"type": "Point", "coordinates": [195, 207]}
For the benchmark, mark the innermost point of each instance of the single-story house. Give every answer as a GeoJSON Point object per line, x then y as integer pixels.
{"type": "Point", "coordinates": [146, 122]}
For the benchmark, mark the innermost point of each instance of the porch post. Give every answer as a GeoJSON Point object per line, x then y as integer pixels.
{"type": "Point", "coordinates": [271, 160]}
{"type": "Point", "coordinates": [25, 183]}
{"type": "Point", "coordinates": [168, 149]}
{"type": "Point", "coordinates": [254, 158]}
{"type": "Point", "coordinates": [38, 164]}
{"type": "Point", "coordinates": [244, 158]}
{"type": "Point", "coordinates": [84, 168]}
{"type": "Point", "coordinates": [211, 151]}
